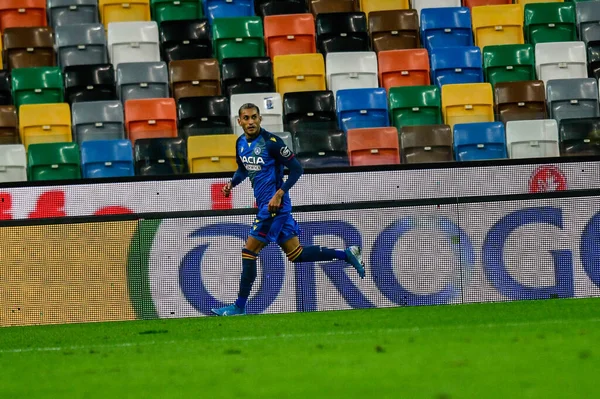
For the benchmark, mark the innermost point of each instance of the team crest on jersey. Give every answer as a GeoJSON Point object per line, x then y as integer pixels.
{"type": "Point", "coordinates": [285, 152]}
{"type": "Point", "coordinates": [257, 150]}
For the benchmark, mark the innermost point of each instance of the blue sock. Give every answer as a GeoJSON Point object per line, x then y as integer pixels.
{"type": "Point", "coordinates": [248, 277]}
{"type": "Point", "coordinates": [315, 253]}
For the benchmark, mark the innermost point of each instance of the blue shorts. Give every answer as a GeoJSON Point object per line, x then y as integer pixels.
{"type": "Point", "coordinates": [277, 229]}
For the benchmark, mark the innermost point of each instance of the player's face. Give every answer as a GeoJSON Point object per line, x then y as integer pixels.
{"type": "Point", "coordinates": [250, 120]}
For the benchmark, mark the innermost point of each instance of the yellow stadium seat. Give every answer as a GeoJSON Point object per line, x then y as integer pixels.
{"type": "Point", "coordinates": [368, 6]}
{"type": "Point", "coordinates": [45, 123]}
{"type": "Point", "coordinates": [500, 24]}
{"type": "Point", "coordinates": [212, 153]}
{"type": "Point", "coordinates": [124, 11]}
{"type": "Point", "coordinates": [467, 103]}
{"type": "Point", "coordinates": [299, 72]}
{"type": "Point", "coordinates": [523, 2]}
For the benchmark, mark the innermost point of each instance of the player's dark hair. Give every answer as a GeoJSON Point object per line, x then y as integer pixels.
{"type": "Point", "coordinates": [248, 106]}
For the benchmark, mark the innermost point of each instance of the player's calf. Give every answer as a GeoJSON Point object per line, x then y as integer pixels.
{"type": "Point", "coordinates": [315, 253]}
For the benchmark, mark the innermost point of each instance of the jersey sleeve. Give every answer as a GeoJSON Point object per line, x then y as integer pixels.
{"type": "Point", "coordinates": [284, 155]}
{"type": "Point", "coordinates": [241, 173]}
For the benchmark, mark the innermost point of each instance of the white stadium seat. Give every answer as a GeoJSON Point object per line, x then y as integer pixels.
{"type": "Point", "coordinates": [532, 139]}
{"type": "Point", "coordinates": [269, 104]}
{"type": "Point", "coordinates": [351, 70]}
{"type": "Point", "coordinates": [560, 60]}
{"type": "Point", "coordinates": [421, 4]}
{"type": "Point", "coordinates": [133, 42]}
{"type": "Point", "coordinates": [13, 163]}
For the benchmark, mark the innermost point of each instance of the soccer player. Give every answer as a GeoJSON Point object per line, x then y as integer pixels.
{"type": "Point", "coordinates": [261, 156]}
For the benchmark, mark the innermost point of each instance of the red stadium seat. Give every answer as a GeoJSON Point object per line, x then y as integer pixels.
{"type": "Point", "coordinates": [290, 34]}
{"type": "Point", "coordinates": [150, 118]}
{"type": "Point", "coordinates": [403, 68]}
{"type": "Point", "coordinates": [373, 146]}
{"type": "Point", "coordinates": [477, 3]}
{"type": "Point", "coordinates": [22, 13]}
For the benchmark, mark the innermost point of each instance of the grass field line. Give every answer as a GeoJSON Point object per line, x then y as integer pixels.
{"type": "Point", "coordinates": [415, 329]}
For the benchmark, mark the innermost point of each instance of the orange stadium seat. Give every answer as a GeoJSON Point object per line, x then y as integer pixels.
{"type": "Point", "coordinates": [22, 13]}
{"type": "Point", "coordinates": [403, 68]}
{"type": "Point", "coordinates": [150, 118]}
{"type": "Point", "coordinates": [290, 34]}
{"type": "Point", "coordinates": [477, 3]}
{"type": "Point", "coordinates": [195, 78]}
{"type": "Point", "coordinates": [9, 126]}
{"type": "Point", "coordinates": [373, 146]}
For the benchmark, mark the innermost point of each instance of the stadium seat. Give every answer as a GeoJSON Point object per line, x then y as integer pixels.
{"type": "Point", "coordinates": [99, 120]}
{"type": "Point", "coordinates": [247, 75]}
{"type": "Point", "coordinates": [28, 47]}
{"type": "Point", "coordinates": [1, 52]}
{"type": "Point", "coordinates": [332, 6]}
{"type": "Point", "coordinates": [517, 101]}
{"type": "Point", "coordinates": [572, 99]}
{"type": "Point", "coordinates": [361, 108]}
{"type": "Point", "coordinates": [299, 72]}
{"type": "Point", "coordinates": [13, 163]}
{"type": "Point", "coordinates": [45, 123]}
{"type": "Point", "coordinates": [373, 146]}
{"type": "Point", "coordinates": [269, 105]}
{"type": "Point", "coordinates": [290, 34]}
{"type": "Point", "coordinates": [394, 30]}
{"type": "Point", "coordinates": [90, 83]}
{"type": "Point", "coordinates": [456, 65]}
{"type": "Point", "coordinates": [138, 80]}
{"type": "Point", "coordinates": [415, 105]}
{"type": "Point", "coordinates": [309, 111]}
{"type": "Point", "coordinates": [476, 3]}
{"type": "Point", "coordinates": [550, 22]}
{"type": "Point", "coordinates": [53, 161]}
{"type": "Point", "coordinates": [164, 156]}
{"type": "Point", "coordinates": [218, 9]}
{"type": "Point", "coordinates": [580, 137]}
{"type": "Point", "coordinates": [508, 63]}
{"type": "Point", "coordinates": [37, 86]}
{"type": "Point", "coordinates": [532, 139]}
{"type": "Point", "coordinates": [267, 8]}
{"type": "Point", "coordinates": [351, 70]}
{"type": "Point", "coordinates": [561, 60]}
{"type": "Point", "coordinates": [195, 78]}
{"type": "Point", "coordinates": [81, 45]}
{"type": "Point", "coordinates": [369, 6]}
{"type": "Point", "coordinates": [494, 25]}
{"type": "Point", "coordinates": [467, 103]}
{"type": "Point", "coordinates": [593, 57]}
{"type": "Point", "coordinates": [72, 12]}
{"type": "Point", "coordinates": [5, 88]}
{"type": "Point", "coordinates": [22, 13]}
{"type": "Point", "coordinates": [238, 37]}
{"type": "Point", "coordinates": [133, 42]}
{"type": "Point", "coordinates": [287, 139]}
{"type": "Point", "coordinates": [446, 27]}
{"type": "Point", "coordinates": [123, 11]}
{"type": "Point", "coordinates": [150, 118]}
{"type": "Point", "coordinates": [175, 10]}
{"type": "Point", "coordinates": [185, 40]}
{"type": "Point", "coordinates": [587, 14]}
{"type": "Point", "coordinates": [426, 143]}
{"type": "Point", "coordinates": [479, 141]}
{"type": "Point", "coordinates": [340, 32]}
{"type": "Point", "coordinates": [421, 5]}
{"type": "Point", "coordinates": [106, 158]}
{"type": "Point", "coordinates": [321, 149]}
{"type": "Point", "coordinates": [9, 125]}
{"type": "Point", "coordinates": [199, 116]}
{"type": "Point", "coordinates": [215, 153]}
{"type": "Point", "coordinates": [403, 68]}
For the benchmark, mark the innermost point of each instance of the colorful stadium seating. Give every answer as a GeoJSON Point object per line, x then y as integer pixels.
{"type": "Point", "coordinates": [426, 143]}
{"type": "Point", "coordinates": [351, 70]}
{"type": "Point", "coordinates": [479, 141]}
{"type": "Point", "coordinates": [45, 123]}
{"type": "Point", "coordinates": [175, 10]}
{"type": "Point", "coordinates": [290, 34]}
{"type": "Point", "coordinates": [403, 68]}
{"type": "Point", "coordinates": [192, 78]}
{"type": "Point", "coordinates": [394, 30]}
{"type": "Point", "coordinates": [98, 120]}
{"type": "Point", "coordinates": [508, 63]}
{"type": "Point", "coordinates": [199, 116]}
{"type": "Point", "coordinates": [139, 80]}
{"type": "Point", "coordinates": [361, 108]}
{"type": "Point", "coordinates": [332, 6]}
{"type": "Point", "coordinates": [369, 6]}
{"type": "Point", "coordinates": [525, 100]}
{"type": "Point", "coordinates": [415, 105]}
{"type": "Point", "coordinates": [587, 14]}
{"type": "Point", "coordinates": [90, 83]}
{"type": "Point", "coordinates": [215, 153]}
{"type": "Point", "coordinates": [107, 158]}
{"type": "Point", "coordinates": [217, 9]}
{"type": "Point", "coordinates": [446, 27]}
{"type": "Point", "coordinates": [310, 111]}
{"type": "Point", "coordinates": [150, 118]}
{"type": "Point", "coordinates": [123, 11]}
{"type": "Point", "coordinates": [467, 103]}
{"type": "Point", "coordinates": [9, 125]}
{"type": "Point", "coordinates": [580, 137]}
{"type": "Point", "coordinates": [572, 99]}
{"type": "Point", "coordinates": [342, 32]}
{"type": "Point", "coordinates": [133, 42]}
{"type": "Point", "coordinates": [238, 37]}
{"type": "Point", "coordinates": [550, 22]}
{"type": "Point", "coordinates": [83, 44]}
{"type": "Point", "coordinates": [13, 163]}
{"type": "Point", "coordinates": [453, 65]}
{"type": "Point", "coordinates": [5, 90]}
{"type": "Point", "coordinates": [373, 146]}
{"type": "Point", "coordinates": [321, 149]}
{"type": "Point", "coordinates": [22, 13]}
{"type": "Point", "coordinates": [561, 60]}
{"type": "Point", "coordinates": [72, 12]}
{"type": "Point", "coordinates": [299, 72]}
{"type": "Point", "coordinates": [37, 86]}
{"type": "Point", "coordinates": [267, 8]}
{"type": "Point", "coordinates": [494, 25]}
{"type": "Point", "coordinates": [532, 139]}
{"type": "Point", "coordinates": [421, 5]}
{"type": "Point", "coordinates": [247, 75]}
{"type": "Point", "coordinates": [28, 47]}
{"type": "Point", "coordinates": [53, 161]}
{"type": "Point", "coordinates": [185, 40]}
{"type": "Point", "coordinates": [164, 156]}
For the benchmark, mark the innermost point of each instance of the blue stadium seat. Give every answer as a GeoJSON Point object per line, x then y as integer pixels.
{"type": "Point", "coordinates": [358, 108]}
{"type": "Point", "coordinates": [446, 27]}
{"type": "Point", "coordinates": [456, 65]}
{"type": "Point", "coordinates": [107, 158]}
{"type": "Point", "coordinates": [227, 8]}
{"type": "Point", "coordinates": [479, 141]}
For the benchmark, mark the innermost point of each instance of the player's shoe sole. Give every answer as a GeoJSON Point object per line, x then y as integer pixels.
{"type": "Point", "coordinates": [354, 255]}
{"type": "Point", "coordinates": [231, 310]}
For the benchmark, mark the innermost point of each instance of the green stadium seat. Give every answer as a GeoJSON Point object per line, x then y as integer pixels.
{"type": "Point", "coordinates": [415, 105]}
{"type": "Point", "coordinates": [508, 63]}
{"type": "Point", "coordinates": [550, 22]}
{"type": "Point", "coordinates": [40, 85]}
{"type": "Point", "coordinates": [171, 10]}
{"type": "Point", "coordinates": [238, 37]}
{"type": "Point", "coordinates": [53, 161]}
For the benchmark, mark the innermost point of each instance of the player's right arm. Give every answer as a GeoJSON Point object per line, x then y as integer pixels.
{"type": "Point", "coordinates": [239, 176]}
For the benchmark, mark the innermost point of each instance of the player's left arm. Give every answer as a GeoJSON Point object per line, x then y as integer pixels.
{"type": "Point", "coordinates": [284, 155]}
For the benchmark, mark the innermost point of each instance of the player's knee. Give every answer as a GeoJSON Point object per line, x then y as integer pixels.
{"type": "Point", "coordinates": [295, 255]}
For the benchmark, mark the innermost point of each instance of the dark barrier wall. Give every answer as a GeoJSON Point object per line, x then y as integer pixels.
{"type": "Point", "coordinates": [444, 251]}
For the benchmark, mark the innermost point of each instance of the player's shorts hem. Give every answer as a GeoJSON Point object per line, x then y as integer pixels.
{"type": "Point", "coordinates": [264, 240]}
{"type": "Point", "coordinates": [286, 238]}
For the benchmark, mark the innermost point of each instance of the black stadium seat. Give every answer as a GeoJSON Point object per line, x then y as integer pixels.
{"type": "Point", "coordinates": [90, 83]}
{"type": "Point", "coordinates": [203, 115]}
{"type": "Point", "coordinates": [579, 136]}
{"type": "Point", "coordinates": [5, 93]}
{"type": "Point", "coordinates": [279, 7]}
{"type": "Point", "coordinates": [185, 40]}
{"type": "Point", "coordinates": [342, 31]}
{"type": "Point", "coordinates": [163, 156]}
{"type": "Point", "coordinates": [320, 149]}
{"type": "Point", "coordinates": [247, 75]}
{"type": "Point", "coordinates": [309, 110]}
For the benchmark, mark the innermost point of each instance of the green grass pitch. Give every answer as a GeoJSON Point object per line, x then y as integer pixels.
{"type": "Point", "coordinates": [532, 349]}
